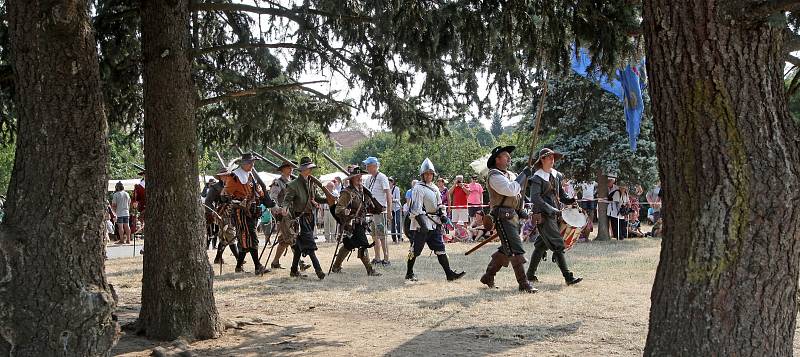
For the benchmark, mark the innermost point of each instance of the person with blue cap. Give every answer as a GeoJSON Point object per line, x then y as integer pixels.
{"type": "Point", "coordinates": [378, 184]}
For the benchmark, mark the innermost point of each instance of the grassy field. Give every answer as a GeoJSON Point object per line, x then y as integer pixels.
{"type": "Point", "coordinates": [352, 314]}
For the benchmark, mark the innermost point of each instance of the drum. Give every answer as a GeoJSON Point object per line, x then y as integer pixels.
{"type": "Point", "coordinates": [573, 222]}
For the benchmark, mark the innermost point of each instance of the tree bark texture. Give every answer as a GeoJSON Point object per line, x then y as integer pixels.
{"type": "Point", "coordinates": [177, 286]}
{"type": "Point", "coordinates": [54, 298]}
{"type": "Point", "coordinates": [726, 284]}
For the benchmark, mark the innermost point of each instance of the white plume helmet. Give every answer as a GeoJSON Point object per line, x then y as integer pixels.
{"type": "Point", "coordinates": [427, 166]}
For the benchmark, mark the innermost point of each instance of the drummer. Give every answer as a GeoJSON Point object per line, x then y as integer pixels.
{"type": "Point", "coordinates": [548, 199]}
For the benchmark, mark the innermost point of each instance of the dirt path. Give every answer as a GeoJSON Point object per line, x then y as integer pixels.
{"type": "Point", "coordinates": [352, 314]}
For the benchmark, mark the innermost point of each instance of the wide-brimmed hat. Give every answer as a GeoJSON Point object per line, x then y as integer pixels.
{"type": "Point", "coordinates": [306, 163]}
{"type": "Point", "coordinates": [221, 171]}
{"type": "Point", "coordinates": [140, 168]}
{"type": "Point", "coordinates": [490, 162]}
{"type": "Point", "coordinates": [291, 164]}
{"type": "Point", "coordinates": [545, 152]}
{"type": "Point", "coordinates": [355, 171]}
{"type": "Point", "coordinates": [247, 157]}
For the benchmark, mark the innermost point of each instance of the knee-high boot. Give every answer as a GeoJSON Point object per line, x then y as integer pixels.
{"type": "Point", "coordinates": [562, 264]}
{"type": "Point", "coordinates": [499, 260]}
{"type": "Point", "coordinates": [518, 263]}
{"type": "Point", "coordinates": [341, 255]}
{"type": "Point", "coordinates": [445, 263]}
{"type": "Point", "coordinates": [536, 257]}
{"type": "Point", "coordinates": [364, 257]}
{"type": "Point", "coordinates": [410, 268]}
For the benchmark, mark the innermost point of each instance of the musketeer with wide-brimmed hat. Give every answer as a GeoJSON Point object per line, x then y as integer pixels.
{"type": "Point", "coordinates": [427, 220]}
{"type": "Point", "coordinates": [218, 215]}
{"type": "Point", "coordinates": [506, 207]}
{"type": "Point", "coordinates": [300, 203]}
{"type": "Point", "coordinates": [277, 191]}
{"type": "Point", "coordinates": [351, 209]}
{"type": "Point", "coordinates": [548, 199]}
{"type": "Point", "coordinates": [245, 195]}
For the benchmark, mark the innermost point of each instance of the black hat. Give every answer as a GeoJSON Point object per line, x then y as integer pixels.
{"type": "Point", "coordinates": [490, 163]}
{"type": "Point", "coordinates": [291, 164]}
{"type": "Point", "coordinates": [355, 171]}
{"type": "Point", "coordinates": [247, 157]}
{"type": "Point", "coordinates": [545, 152]}
{"type": "Point", "coordinates": [306, 163]}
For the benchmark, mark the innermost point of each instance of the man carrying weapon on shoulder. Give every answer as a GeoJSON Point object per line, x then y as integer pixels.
{"type": "Point", "coordinates": [299, 203]}
{"type": "Point", "coordinates": [351, 209]}
{"type": "Point", "coordinates": [505, 201]}
{"type": "Point", "coordinates": [245, 194]}
{"type": "Point", "coordinates": [285, 236]}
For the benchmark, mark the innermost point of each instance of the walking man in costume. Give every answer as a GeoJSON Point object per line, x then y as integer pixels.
{"type": "Point", "coordinates": [505, 201]}
{"type": "Point", "coordinates": [278, 193]}
{"type": "Point", "coordinates": [351, 209]}
{"type": "Point", "coordinates": [244, 193]}
{"type": "Point", "coordinates": [300, 202]}
{"type": "Point", "coordinates": [214, 204]}
{"type": "Point", "coordinates": [548, 199]}
{"type": "Point", "coordinates": [427, 218]}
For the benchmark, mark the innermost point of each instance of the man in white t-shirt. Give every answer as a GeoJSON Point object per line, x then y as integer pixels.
{"type": "Point", "coordinates": [588, 196]}
{"type": "Point", "coordinates": [618, 198]}
{"type": "Point", "coordinates": [121, 203]}
{"type": "Point", "coordinates": [378, 184]}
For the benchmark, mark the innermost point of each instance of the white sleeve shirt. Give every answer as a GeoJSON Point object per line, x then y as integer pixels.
{"type": "Point", "coordinates": [503, 185]}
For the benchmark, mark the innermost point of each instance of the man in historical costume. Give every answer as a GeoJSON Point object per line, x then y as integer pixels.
{"type": "Point", "coordinates": [217, 212]}
{"type": "Point", "coordinates": [245, 194]}
{"type": "Point", "coordinates": [505, 201]}
{"type": "Point", "coordinates": [548, 198]}
{"type": "Point", "coordinates": [285, 236]}
{"type": "Point", "coordinates": [351, 209]}
{"type": "Point", "coordinates": [427, 218]}
{"type": "Point", "coordinates": [300, 202]}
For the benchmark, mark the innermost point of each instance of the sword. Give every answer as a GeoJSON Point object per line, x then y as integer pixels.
{"type": "Point", "coordinates": [481, 244]}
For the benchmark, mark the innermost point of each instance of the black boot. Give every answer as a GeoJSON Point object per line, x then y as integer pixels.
{"type": "Point", "coordinates": [499, 260]}
{"type": "Point", "coordinates": [445, 263]}
{"type": "Point", "coordinates": [240, 262]}
{"type": "Point", "coordinates": [260, 269]}
{"type": "Point", "coordinates": [562, 264]}
{"type": "Point", "coordinates": [218, 258]}
{"type": "Point", "coordinates": [536, 257]}
{"type": "Point", "coordinates": [410, 269]}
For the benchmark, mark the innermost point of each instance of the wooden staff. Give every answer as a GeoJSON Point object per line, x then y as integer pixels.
{"type": "Point", "coordinates": [481, 244]}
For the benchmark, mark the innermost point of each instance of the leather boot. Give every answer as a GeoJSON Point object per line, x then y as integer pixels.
{"type": "Point", "coordinates": [278, 253]}
{"type": "Point", "coordinates": [218, 258]}
{"type": "Point", "coordinates": [518, 264]}
{"type": "Point", "coordinates": [320, 274]}
{"type": "Point", "coordinates": [260, 269]}
{"type": "Point", "coordinates": [410, 269]}
{"type": "Point", "coordinates": [536, 258]}
{"type": "Point", "coordinates": [340, 257]}
{"type": "Point", "coordinates": [499, 260]}
{"type": "Point", "coordinates": [562, 264]}
{"type": "Point", "coordinates": [445, 263]}
{"type": "Point", "coordinates": [370, 270]}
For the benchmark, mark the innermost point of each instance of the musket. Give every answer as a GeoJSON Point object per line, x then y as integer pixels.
{"type": "Point", "coordinates": [221, 161]}
{"type": "Point", "coordinates": [271, 231]}
{"type": "Point", "coordinates": [334, 163]}
{"type": "Point", "coordinates": [273, 164]}
{"type": "Point", "coordinates": [481, 244]}
{"type": "Point", "coordinates": [335, 250]}
{"type": "Point", "coordinates": [341, 168]}
{"type": "Point", "coordinates": [331, 201]}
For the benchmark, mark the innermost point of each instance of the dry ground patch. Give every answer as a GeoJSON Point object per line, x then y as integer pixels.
{"type": "Point", "coordinates": [352, 314]}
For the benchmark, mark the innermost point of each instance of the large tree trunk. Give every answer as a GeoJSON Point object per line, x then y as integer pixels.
{"type": "Point", "coordinates": [54, 298]}
{"type": "Point", "coordinates": [728, 154]}
{"type": "Point", "coordinates": [602, 218]}
{"type": "Point", "coordinates": [177, 286]}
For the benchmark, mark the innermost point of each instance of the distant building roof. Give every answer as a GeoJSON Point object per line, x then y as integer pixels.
{"type": "Point", "coordinates": [347, 139]}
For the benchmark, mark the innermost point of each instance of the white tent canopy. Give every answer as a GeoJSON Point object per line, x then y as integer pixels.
{"type": "Point", "coordinates": [329, 177]}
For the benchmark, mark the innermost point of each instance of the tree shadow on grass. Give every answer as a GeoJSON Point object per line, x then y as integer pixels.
{"type": "Point", "coordinates": [480, 340]}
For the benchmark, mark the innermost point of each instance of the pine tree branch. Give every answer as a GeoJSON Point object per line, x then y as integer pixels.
{"type": "Point", "coordinates": [253, 91]}
{"type": "Point", "coordinates": [242, 45]}
{"type": "Point", "coordinates": [292, 14]}
{"type": "Point", "coordinates": [765, 9]}
{"type": "Point", "coordinates": [326, 97]}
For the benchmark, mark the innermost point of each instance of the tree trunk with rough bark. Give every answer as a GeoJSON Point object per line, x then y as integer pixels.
{"type": "Point", "coordinates": [729, 159]}
{"type": "Point", "coordinates": [177, 286]}
{"type": "Point", "coordinates": [602, 218]}
{"type": "Point", "coordinates": [54, 298]}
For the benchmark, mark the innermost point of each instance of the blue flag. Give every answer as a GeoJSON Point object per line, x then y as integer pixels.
{"type": "Point", "coordinates": [627, 87]}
